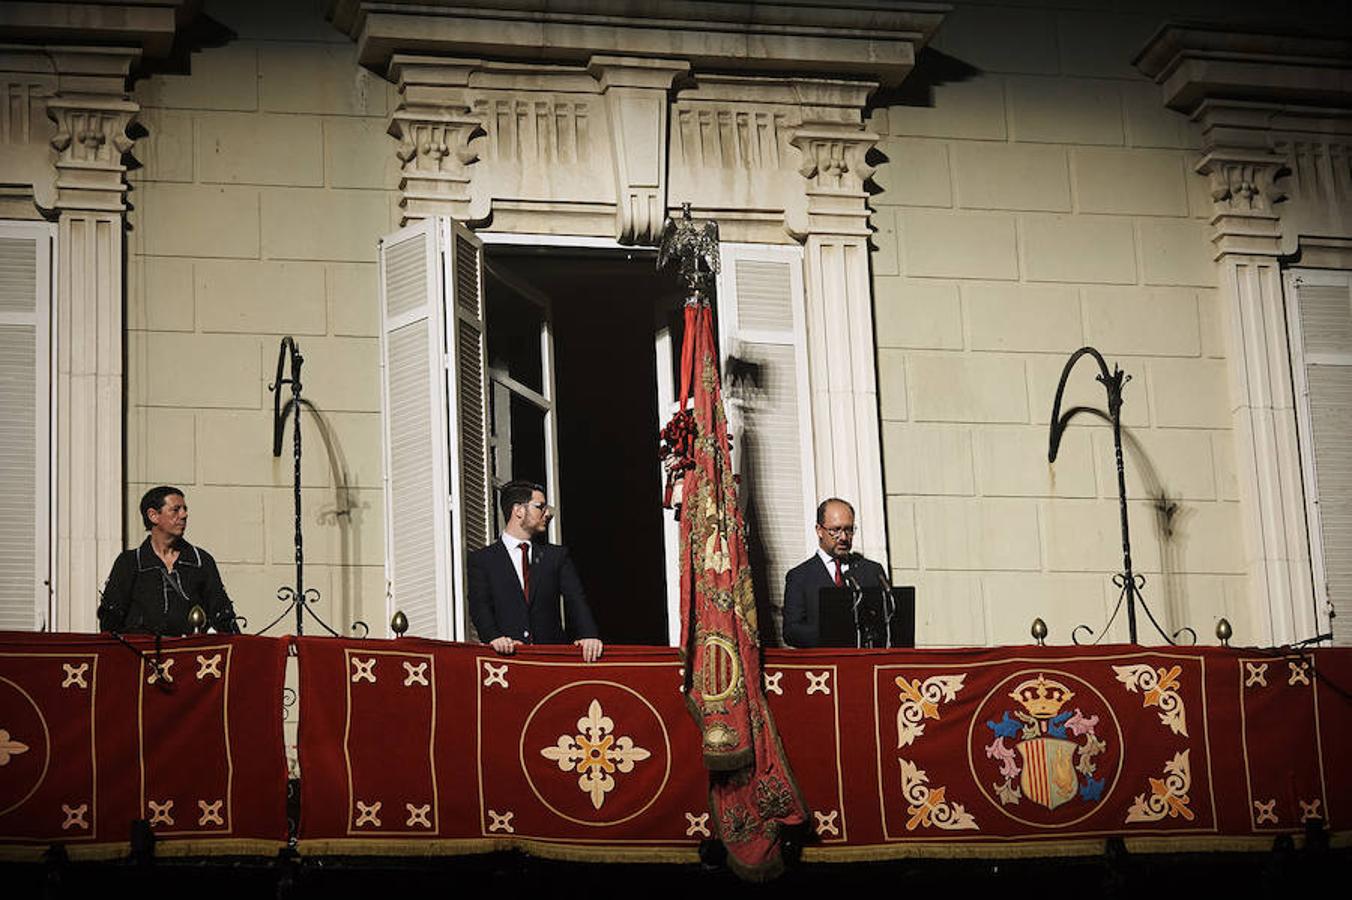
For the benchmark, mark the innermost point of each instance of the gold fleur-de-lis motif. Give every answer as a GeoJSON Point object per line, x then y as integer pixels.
{"type": "Point", "coordinates": [827, 822]}
{"type": "Point", "coordinates": [501, 822]}
{"type": "Point", "coordinates": [208, 666]}
{"type": "Point", "coordinates": [211, 812]}
{"type": "Point", "coordinates": [1168, 796]}
{"type": "Point", "coordinates": [928, 806]}
{"type": "Point", "coordinates": [10, 747]}
{"type": "Point", "coordinates": [75, 675]}
{"type": "Point", "coordinates": [368, 815]}
{"type": "Point", "coordinates": [595, 753]}
{"type": "Point", "coordinates": [1266, 812]}
{"type": "Point", "coordinates": [1159, 688]}
{"type": "Point", "coordinates": [159, 671]}
{"type": "Point", "coordinates": [415, 674]}
{"type": "Point", "coordinates": [417, 815]}
{"type": "Point", "coordinates": [697, 824]}
{"type": "Point", "coordinates": [75, 816]}
{"type": "Point", "coordinates": [363, 670]}
{"type": "Point", "coordinates": [161, 813]}
{"type": "Point", "coordinates": [495, 675]}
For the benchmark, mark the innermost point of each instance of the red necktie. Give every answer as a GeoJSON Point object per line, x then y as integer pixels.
{"type": "Point", "coordinates": [839, 582]}
{"type": "Point", "coordinates": [525, 570]}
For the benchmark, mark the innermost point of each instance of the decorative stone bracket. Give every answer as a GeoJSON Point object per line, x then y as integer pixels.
{"type": "Point", "coordinates": [636, 98]}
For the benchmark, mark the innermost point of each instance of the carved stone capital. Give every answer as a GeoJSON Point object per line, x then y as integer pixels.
{"type": "Point", "coordinates": [434, 125]}
{"type": "Point", "coordinates": [835, 171]}
{"type": "Point", "coordinates": [91, 139]}
{"type": "Point", "coordinates": [1244, 194]}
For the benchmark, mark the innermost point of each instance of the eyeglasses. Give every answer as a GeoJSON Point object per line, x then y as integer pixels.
{"type": "Point", "coordinates": [542, 507]}
{"type": "Point", "coordinates": [843, 531]}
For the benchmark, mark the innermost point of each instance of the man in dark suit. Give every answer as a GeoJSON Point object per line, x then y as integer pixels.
{"type": "Point", "coordinates": [516, 581]}
{"type": "Point", "coordinates": [833, 565]}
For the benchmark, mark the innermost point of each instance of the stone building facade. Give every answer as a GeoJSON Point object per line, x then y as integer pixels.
{"type": "Point", "coordinates": [968, 192]}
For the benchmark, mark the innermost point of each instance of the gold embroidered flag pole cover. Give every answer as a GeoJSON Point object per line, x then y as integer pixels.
{"type": "Point", "coordinates": [752, 793]}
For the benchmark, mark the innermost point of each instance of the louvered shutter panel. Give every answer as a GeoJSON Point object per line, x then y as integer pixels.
{"type": "Point", "coordinates": [25, 426]}
{"type": "Point", "coordinates": [761, 334]}
{"type": "Point", "coordinates": [474, 502]}
{"type": "Point", "coordinates": [1325, 303]}
{"type": "Point", "coordinates": [418, 561]}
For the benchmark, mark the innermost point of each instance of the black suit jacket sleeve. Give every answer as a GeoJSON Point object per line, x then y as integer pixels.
{"type": "Point", "coordinates": [578, 611]}
{"type": "Point", "coordinates": [800, 608]}
{"type": "Point", "coordinates": [481, 599]}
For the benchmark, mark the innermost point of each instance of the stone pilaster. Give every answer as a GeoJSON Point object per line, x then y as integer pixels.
{"type": "Point", "coordinates": [1261, 101]}
{"type": "Point", "coordinates": [91, 109]}
{"type": "Point", "coordinates": [635, 92]}
{"type": "Point", "coordinates": [841, 345]}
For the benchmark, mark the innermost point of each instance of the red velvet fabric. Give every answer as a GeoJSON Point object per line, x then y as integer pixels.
{"type": "Point", "coordinates": [896, 752]}
{"type": "Point", "coordinates": [92, 737]}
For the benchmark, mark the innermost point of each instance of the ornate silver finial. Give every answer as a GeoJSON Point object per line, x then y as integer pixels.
{"type": "Point", "coordinates": [1223, 631]}
{"type": "Point", "coordinates": [694, 247]}
{"type": "Point", "coordinates": [1039, 631]}
{"type": "Point", "coordinates": [399, 623]}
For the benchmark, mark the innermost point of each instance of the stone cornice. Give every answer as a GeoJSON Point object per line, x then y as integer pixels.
{"type": "Point", "coordinates": [149, 25]}
{"type": "Point", "coordinates": [1193, 63]}
{"type": "Point", "coordinates": [1275, 112]}
{"type": "Point", "coordinates": [851, 37]}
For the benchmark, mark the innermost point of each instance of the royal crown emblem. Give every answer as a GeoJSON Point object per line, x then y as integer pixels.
{"type": "Point", "coordinates": [1042, 697]}
{"type": "Point", "coordinates": [1047, 749]}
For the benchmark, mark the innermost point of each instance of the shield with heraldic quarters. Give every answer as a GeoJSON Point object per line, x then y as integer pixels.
{"type": "Point", "coordinates": [1048, 770]}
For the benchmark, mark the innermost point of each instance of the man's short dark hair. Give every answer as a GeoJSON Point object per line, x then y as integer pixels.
{"type": "Point", "coordinates": [821, 508]}
{"type": "Point", "coordinates": [154, 499]}
{"type": "Point", "coordinates": [514, 492]}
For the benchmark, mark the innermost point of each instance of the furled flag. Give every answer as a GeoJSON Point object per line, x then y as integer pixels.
{"type": "Point", "coordinates": [752, 795]}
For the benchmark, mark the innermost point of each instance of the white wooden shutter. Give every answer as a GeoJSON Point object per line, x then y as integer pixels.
{"type": "Point", "coordinates": [418, 563]}
{"type": "Point", "coordinates": [25, 425]}
{"type": "Point", "coordinates": [761, 336]}
{"type": "Point", "coordinates": [438, 503]}
{"type": "Point", "coordinates": [469, 455]}
{"type": "Point", "coordinates": [1323, 377]}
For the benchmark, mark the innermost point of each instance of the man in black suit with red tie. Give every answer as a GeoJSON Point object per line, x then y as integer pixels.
{"type": "Point", "coordinates": [833, 565]}
{"type": "Point", "coordinates": [516, 581]}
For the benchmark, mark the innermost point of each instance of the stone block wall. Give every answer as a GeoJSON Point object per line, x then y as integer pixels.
{"type": "Point", "coordinates": [1036, 197]}
{"type": "Point", "coordinates": [266, 179]}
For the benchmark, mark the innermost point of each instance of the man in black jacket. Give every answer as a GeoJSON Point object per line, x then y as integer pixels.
{"type": "Point", "coordinates": [515, 582]}
{"type": "Point", "coordinates": [152, 588]}
{"type": "Point", "coordinates": [833, 565]}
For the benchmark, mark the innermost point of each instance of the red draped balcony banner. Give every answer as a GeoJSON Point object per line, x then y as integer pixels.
{"type": "Point", "coordinates": [416, 746]}
{"type": "Point", "coordinates": [94, 736]}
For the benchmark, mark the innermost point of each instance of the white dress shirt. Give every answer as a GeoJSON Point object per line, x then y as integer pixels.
{"type": "Point", "coordinates": [830, 562]}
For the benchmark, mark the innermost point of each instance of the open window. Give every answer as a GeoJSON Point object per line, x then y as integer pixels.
{"type": "Point", "coordinates": [552, 359]}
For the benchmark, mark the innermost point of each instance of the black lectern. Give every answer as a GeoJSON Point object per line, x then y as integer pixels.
{"type": "Point", "coordinates": [872, 617]}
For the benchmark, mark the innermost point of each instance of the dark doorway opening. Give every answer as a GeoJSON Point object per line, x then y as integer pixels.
{"type": "Point", "coordinates": [603, 311]}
